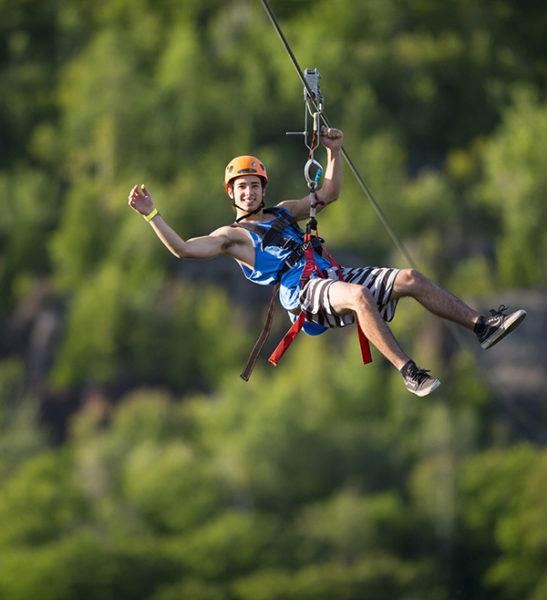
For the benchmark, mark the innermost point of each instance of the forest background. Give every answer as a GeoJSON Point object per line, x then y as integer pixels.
{"type": "Point", "coordinates": [134, 463]}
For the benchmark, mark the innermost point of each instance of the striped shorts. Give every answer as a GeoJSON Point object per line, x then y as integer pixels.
{"type": "Point", "coordinates": [315, 301]}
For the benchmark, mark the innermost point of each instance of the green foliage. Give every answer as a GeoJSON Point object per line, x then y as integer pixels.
{"type": "Point", "coordinates": [381, 577]}
{"type": "Point", "coordinates": [95, 353]}
{"type": "Point", "coordinates": [230, 544]}
{"type": "Point", "coordinates": [503, 494]}
{"type": "Point", "coordinates": [514, 188]}
{"type": "Point", "coordinates": [322, 478]}
{"type": "Point", "coordinates": [82, 237]}
{"type": "Point", "coordinates": [203, 497]}
{"type": "Point", "coordinates": [20, 435]}
{"type": "Point", "coordinates": [348, 527]}
{"type": "Point", "coordinates": [29, 208]}
{"type": "Point", "coordinates": [41, 501]}
{"type": "Point", "coordinates": [191, 588]}
{"type": "Point", "coordinates": [85, 566]}
{"type": "Point", "coordinates": [157, 477]}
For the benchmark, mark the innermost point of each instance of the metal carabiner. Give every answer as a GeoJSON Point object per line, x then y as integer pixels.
{"type": "Point", "coordinates": [312, 180]}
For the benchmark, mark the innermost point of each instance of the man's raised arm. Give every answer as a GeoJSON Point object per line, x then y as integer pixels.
{"type": "Point", "coordinates": [207, 246]}
{"type": "Point", "coordinates": [332, 140]}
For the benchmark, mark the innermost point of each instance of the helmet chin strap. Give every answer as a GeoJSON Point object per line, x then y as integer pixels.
{"type": "Point", "coordinates": [252, 212]}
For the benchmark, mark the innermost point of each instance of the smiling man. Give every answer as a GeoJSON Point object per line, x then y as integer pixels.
{"type": "Point", "coordinates": [267, 244]}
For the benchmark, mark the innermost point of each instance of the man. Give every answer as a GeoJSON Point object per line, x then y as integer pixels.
{"type": "Point", "coordinates": [369, 294]}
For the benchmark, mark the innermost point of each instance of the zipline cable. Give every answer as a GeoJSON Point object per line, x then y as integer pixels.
{"type": "Point", "coordinates": [397, 241]}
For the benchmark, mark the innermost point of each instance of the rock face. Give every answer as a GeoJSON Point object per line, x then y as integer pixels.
{"type": "Point", "coordinates": [519, 362]}
{"type": "Point", "coordinates": [517, 366]}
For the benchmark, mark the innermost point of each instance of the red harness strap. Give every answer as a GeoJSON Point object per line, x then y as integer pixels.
{"type": "Point", "coordinates": [287, 339]}
{"type": "Point", "coordinates": [309, 267]}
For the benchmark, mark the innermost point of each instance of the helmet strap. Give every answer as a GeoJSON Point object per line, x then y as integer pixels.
{"type": "Point", "coordinates": [252, 212]}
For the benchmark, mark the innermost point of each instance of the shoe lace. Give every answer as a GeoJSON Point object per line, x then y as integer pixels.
{"type": "Point", "coordinates": [500, 312]}
{"type": "Point", "coordinates": [418, 374]}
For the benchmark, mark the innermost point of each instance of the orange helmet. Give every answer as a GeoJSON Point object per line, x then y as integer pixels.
{"type": "Point", "coordinates": [244, 165]}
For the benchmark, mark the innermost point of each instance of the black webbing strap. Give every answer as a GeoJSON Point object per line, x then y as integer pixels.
{"type": "Point", "coordinates": [269, 237]}
{"type": "Point", "coordinates": [272, 235]}
{"type": "Point", "coordinates": [255, 352]}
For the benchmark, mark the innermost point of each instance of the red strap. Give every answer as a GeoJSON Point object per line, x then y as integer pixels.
{"type": "Point", "coordinates": [363, 341]}
{"type": "Point", "coordinates": [287, 340]}
{"type": "Point", "coordinates": [365, 347]}
{"type": "Point", "coordinates": [310, 265]}
{"type": "Point", "coordinates": [334, 264]}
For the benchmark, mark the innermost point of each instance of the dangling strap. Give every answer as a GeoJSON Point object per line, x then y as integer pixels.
{"type": "Point", "coordinates": [287, 339]}
{"type": "Point", "coordinates": [364, 345]}
{"type": "Point", "coordinates": [255, 352]}
{"type": "Point", "coordinates": [363, 341]}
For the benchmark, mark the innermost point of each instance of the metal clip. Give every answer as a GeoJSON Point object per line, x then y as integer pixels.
{"type": "Point", "coordinates": [312, 180]}
{"type": "Point", "coordinates": [312, 77]}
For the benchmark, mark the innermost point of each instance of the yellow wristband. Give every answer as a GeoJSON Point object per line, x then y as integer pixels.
{"type": "Point", "coordinates": [150, 216]}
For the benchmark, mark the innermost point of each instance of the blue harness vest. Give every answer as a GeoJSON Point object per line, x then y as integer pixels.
{"type": "Point", "coordinates": [279, 258]}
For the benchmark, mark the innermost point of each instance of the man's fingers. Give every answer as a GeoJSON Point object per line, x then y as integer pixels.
{"type": "Point", "coordinates": [139, 192]}
{"type": "Point", "coordinates": [330, 133]}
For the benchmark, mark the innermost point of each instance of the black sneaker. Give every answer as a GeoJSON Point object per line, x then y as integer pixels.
{"type": "Point", "coordinates": [417, 380]}
{"type": "Point", "coordinates": [494, 328]}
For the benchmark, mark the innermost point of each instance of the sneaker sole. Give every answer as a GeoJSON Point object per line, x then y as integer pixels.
{"type": "Point", "coordinates": [428, 391]}
{"type": "Point", "coordinates": [512, 323]}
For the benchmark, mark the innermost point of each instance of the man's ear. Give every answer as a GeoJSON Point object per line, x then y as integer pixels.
{"type": "Point", "coordinates": [230, 191]}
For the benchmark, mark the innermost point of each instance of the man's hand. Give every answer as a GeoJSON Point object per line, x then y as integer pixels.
{"type": "Point", "coordinates": [140, 200]}
{"type": "Point", "coordinates": [331, 138]}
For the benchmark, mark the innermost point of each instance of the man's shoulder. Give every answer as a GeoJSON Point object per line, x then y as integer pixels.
{"type": "Point", "coordinates": [297, 209]}
{"type": "Point", "coordinates": [228, 231]}
{"type": "Point", "coordinates": [280, 209]}
{"type": "Point", "coordinates": [233, 235]}
{"type": "Point", "coordinates": [232, 240]}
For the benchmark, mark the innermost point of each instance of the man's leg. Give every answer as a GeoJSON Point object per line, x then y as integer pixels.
{"type": "Point", "coordinates": [489, 330]}
{"type": "Point", "coordinates": [410, 282]}
{"type": "Point", "coordinates": [344, 297]}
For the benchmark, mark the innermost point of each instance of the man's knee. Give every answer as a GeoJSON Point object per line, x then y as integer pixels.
{"type": "Point", "coordinates": [350, 297]}
{"type": "Point", "coordinates": [407, 282]}
{"type": "Point", "coordinates": [362, 297]}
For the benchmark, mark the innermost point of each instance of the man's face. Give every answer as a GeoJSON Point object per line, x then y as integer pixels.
{"type": "Point", "coordinates": [247, 192]}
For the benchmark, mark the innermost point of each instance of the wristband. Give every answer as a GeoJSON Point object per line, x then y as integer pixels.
{"type": "Point", "coordinates": [150, 216]}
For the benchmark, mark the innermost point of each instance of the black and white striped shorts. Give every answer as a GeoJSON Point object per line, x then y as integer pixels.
{"type": "Point", "coordinates": [315, 301]}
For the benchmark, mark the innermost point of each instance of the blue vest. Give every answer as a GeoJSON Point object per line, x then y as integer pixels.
{"type": "Point", "coordinates": [270, 260]}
